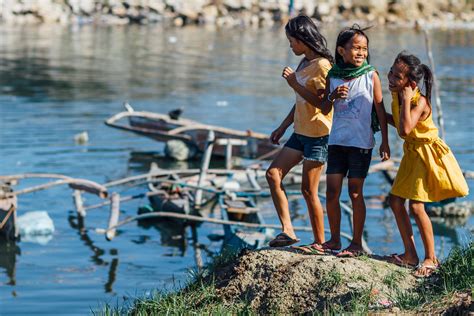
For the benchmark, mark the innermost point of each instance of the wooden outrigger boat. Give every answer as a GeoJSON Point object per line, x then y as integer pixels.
{"type": "Point", "coordinates": [241, 209]}
{"type": "Point", "coordinates": [163, 128]}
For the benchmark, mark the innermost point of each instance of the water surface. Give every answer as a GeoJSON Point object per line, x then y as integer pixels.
{"type": "Point", "coordinates": [58, 81]}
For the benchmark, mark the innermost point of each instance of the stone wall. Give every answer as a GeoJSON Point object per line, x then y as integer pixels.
{"type": "Point", "coordinates": [235, 12]}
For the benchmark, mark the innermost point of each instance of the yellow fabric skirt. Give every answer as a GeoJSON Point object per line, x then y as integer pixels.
{"type": "Point", "coordinates": [429, 172]}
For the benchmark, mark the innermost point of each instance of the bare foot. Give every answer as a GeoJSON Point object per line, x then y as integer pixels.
{"type": "Point", "coordinates": [353, 250]}
{"type": "Point", "coordinates": [290, 233]}
{"type": "Point", "coordinates": [403, 260]}
{"type": "Point", "coordinates": [332, 245]}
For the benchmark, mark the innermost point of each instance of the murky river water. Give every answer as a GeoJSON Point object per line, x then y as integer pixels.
{"type": "Point", "coordinates": [58, 81]}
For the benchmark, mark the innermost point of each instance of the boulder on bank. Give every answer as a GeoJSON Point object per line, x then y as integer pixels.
{"type": "Point", "coordinates": [284, 281]}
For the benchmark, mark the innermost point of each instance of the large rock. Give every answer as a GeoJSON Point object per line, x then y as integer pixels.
{"type": "Point", "coordinates": [280, 280]}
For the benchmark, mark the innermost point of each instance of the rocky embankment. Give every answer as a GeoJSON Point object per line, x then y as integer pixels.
{"type": "Point", "coordinates": [442, 13]}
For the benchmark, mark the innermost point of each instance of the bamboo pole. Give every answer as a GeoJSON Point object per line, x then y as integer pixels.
{"type": "Point", "coordinates": [439, 110]}
{"type": "Point", "coordinates": [114, 216]}
{"type": "Point", "coordinates": [204, 166]}
{"type": "Point", "coordinates": [124, 199]}
{"type": "Point", "coordinates": [78, 184]}
{"type": "Point", "coordinates": [197, 250]}
{"type": "Point", "coordinates": [79, 203]}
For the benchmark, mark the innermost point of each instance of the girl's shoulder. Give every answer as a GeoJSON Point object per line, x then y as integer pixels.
{"type": "Point", "coordinates": [320, 64]}
{"type": "Point", "coordinates": [323, 62]}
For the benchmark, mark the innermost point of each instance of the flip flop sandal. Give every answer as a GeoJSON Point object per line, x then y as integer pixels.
{"type": "Point", "coordinates": [326, 250]}
{"type": "Point", "coordinates": [397, 260]}
{"type": "Point", "coordinates": [311, 249]}
{"type": "Point", "coordinates": [350, 253]}
{"type": "Point", "coordinates": [430, 269]}
{"type": "Point", "coordinates": [282, 240]}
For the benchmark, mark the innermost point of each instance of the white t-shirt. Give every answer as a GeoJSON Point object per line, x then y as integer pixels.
{"type": "Point", "coordinates": [351, 124]}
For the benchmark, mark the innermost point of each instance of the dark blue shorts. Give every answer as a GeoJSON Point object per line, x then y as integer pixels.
{"type": "Point", "coordinates": [351, 161]}
{"type": "Point", "coordinates": [313, 148]}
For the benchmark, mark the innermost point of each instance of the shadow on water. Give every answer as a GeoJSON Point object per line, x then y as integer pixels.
{"type": "Point", "coordinates": [35, 78]}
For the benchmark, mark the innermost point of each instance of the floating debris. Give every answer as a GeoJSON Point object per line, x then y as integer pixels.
{"type": "Point", "coordinates": [81, 138]}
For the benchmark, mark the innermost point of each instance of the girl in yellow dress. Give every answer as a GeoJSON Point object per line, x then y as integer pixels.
{"type": "Point", "coordinates": [428, 171]}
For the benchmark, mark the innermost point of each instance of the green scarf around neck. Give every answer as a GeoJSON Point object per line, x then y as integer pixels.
{"type": "Point", "coordinates": [349, 71]}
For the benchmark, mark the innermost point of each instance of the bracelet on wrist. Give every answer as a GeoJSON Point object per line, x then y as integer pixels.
{"type": "Point", "coordinates": [329, 98]}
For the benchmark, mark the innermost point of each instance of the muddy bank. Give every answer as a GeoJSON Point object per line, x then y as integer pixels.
{"type": "Point", "coordinates": [231, 13]}
{"type": "Point", "coordinates": [283, 281]}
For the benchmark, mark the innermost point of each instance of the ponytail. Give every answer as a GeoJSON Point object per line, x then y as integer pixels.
{"type": "Point", "coordinates": [427, 80]}
{"type": "Point", "coordinates": [417, 71]}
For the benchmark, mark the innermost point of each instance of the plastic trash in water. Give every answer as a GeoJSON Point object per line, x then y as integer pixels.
{"type": "Point", "coordinates": [231, 185]}
{"type": "Point", "coordinates": [222, 103]}
{"type": "Point", "coordinates": [36, 227]}
{"type": "Point", "coordinates": [81, 138]}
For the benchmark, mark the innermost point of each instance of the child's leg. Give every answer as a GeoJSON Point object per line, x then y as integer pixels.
{"type": "Point", "coordinates": [309, 187]}
{"type": "Point", "coordinates": [417, 209]}
{"type": "Point", "coordinates": [404, 226]}
{"type": "Point", "coordinates": [358, 205]}
{"type": "Point", "coordinates": [333, 192]}
{"type": "Point", "coordinates": [281, 165]}
{"type": "Point", "coordinates": [359, 162]}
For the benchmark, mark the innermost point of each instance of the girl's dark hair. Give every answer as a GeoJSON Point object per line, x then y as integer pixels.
{"type": "Point", "coordinates": [417, 71]}
{"type": "Point", "coordinates": [345, 36]}
{"type": "Point", "coordinates": [303, 29]}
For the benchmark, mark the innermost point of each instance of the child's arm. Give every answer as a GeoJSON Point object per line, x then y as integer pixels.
{"type": "Point", "coordinates": [310, 97]}
{"type": "Point", "coordinates": [280, 130]}
{"type": "Point", "coordinates": [409, 116]}
{"type": "Point", "coordinates": [341, 92]}
{"type": "Point", "coordinates": [384, 149]}
{"type": "Point", "coordinates": [389, 118]}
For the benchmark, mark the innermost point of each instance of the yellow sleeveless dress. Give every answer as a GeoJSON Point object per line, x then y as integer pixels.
{"type": "Point", "coordinates": [428, 171]}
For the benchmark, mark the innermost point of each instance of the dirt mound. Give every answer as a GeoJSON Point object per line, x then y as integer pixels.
{"type": "Point", "coordinates": [282, 280]}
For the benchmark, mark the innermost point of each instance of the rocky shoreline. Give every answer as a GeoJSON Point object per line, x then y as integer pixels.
{"type": "Point", "coordinates": [239, 13]}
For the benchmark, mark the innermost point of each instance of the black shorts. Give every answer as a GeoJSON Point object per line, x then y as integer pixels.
{"type": "Point", "coordinates": [351, 161]}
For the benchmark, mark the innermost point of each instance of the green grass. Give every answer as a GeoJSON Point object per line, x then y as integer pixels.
{"type": "Point", "coordinates": [329, 281]}
{"type": "Point", "coordinates": [391, 280]}
{"type": "Point", "coordinates": [456, 274]}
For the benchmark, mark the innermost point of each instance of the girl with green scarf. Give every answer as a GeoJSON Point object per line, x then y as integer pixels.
{"type": "Point", "coordinates": [353, 88]}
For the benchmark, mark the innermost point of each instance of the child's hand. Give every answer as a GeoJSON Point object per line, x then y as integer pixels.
{"type": "Point", "coordinates": [384, 151]}
{"type": "Point", "coordinates": [276, 135]}
{"type": "Point", "coordinates": [408, 92]}
{"type": "Point", "coordinates": [289, 76]}
{"type": "Point", "coordinates": [341, 92]}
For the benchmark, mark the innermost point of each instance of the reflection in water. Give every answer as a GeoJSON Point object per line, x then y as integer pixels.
{"type": "Point", "coordinates": [112, 275]}
{"type": "Point", "coordinates": [172, 232]}
{"type": "Point", "coordinates": [77, 222]}
{"type": "Point", "coordinates": [8, 252]}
